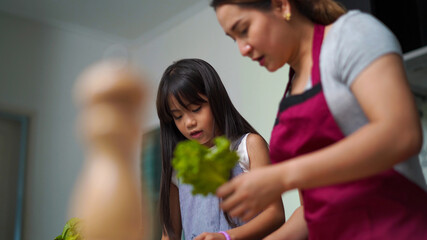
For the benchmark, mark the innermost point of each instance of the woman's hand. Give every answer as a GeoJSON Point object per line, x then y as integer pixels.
{"type": "Point", "coordinates": [210, 236]}
{"type": "Point", "coordinates": [247, 195]}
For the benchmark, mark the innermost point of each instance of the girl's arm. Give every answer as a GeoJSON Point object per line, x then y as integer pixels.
{"type": "Point", "coordinates": [294, 229]}
{"type": "Point", "coordinates": [273, 216]}
{"type": "Point", "coordinates": [268, 220]}
{"type": "Point", "coordinates": [175, 214]}
{"type": "Point", "coordinates": [392, 135]}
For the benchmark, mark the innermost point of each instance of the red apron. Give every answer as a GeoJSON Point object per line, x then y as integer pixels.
{"type": "Point", "coordinates": [384, 206]}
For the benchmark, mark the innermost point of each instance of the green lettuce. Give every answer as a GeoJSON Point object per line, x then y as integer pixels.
{"type": "Point", "coordinates": [205, 169]}
{"type": "Point", "coordinates": [72, 230]}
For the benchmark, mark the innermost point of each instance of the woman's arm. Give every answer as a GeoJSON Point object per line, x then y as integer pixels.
{"type": "Point", "coordinates": [175, 214]}
{"type": "Point", "coordinates": [273, 216]}
{"type": "Point", "coordinates": [392, 135]}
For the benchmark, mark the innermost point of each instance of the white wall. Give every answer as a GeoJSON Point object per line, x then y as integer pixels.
{"type": "Point", "coordinates": [38, 66]}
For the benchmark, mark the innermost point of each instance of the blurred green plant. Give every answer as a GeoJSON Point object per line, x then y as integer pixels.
{"type": "Point", "coordinates": [72, 230]}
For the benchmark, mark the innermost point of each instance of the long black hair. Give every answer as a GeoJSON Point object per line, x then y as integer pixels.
{"type": "Point", "coordinates": [187, 79]}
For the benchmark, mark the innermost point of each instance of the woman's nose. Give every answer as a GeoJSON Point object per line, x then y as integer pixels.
{"type": "Point", "coordinates": [244, 48]}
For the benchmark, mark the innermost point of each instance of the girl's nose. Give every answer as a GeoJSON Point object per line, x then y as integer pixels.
{"type": "Point", "coordinates": [244, 48]}
{"type": "Point", "coordinates": [190, 122]}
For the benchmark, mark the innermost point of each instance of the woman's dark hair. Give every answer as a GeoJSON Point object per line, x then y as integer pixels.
{"type": "Point", "coordinates": [318, 11]}
{"type": "Point", "coordinates": [187, 79]}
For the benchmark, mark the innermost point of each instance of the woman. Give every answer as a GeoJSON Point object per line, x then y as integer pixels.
{"type": "Point", "coordinates": [347, 132]}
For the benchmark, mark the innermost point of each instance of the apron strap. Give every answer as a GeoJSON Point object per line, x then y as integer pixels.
{"type": "Point", "coordinates": [319, 30]}
{"type": "Point", "coordinates": [289, 85]}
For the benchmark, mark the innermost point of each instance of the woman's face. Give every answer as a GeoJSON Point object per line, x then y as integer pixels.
{"type": "Point", "coordinates": [195, 121]}
{"type": "Point", "coordinates": [260, 35]}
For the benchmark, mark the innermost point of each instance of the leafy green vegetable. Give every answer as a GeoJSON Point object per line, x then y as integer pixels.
{"type": "Point", "coordinates": [72, 230]}
{"type": "Point", "coordinates": [206, 169]}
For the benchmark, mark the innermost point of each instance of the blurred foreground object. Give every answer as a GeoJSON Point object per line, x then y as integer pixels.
{"type": "Point", "coordinates": [108, 196]}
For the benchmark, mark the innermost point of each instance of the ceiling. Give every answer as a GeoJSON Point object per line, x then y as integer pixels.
{"type": "Point", "coordinates": [126, 19]}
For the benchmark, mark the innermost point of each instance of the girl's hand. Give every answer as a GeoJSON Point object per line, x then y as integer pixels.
{"type": "Point", "coordinates": [210, 236]}
{"type": "Point", "coordinates": [248, 194]}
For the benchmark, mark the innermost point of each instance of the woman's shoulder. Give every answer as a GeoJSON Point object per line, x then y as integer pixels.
{"type": "Point", "coordinates": [354, 41]}
{"type": "Point", "coordinates": [352, 17]}
{"type": "Point", "coordinates": [360, 27]}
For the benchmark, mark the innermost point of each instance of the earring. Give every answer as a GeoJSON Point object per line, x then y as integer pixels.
{"type": "Point", "coordinates": [288, 16]}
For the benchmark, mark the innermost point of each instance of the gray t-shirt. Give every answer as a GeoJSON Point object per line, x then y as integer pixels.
{"type": "Point", "coordinates": [361, 39]}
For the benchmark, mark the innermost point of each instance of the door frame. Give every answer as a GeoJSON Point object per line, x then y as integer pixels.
{"type": "Point", "coordinates": [23, 146]}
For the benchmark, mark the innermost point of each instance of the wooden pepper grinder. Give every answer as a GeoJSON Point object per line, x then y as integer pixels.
{"type": "Point", "coordinates": [108, 197]}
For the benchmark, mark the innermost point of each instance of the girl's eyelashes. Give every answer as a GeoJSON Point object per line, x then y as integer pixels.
{"type": "Point", "coordinates": [197, 109]}
{"type": "Point", "coordinates": [177, 114]}
{"type": "Point", "coordinates": [176, 117]}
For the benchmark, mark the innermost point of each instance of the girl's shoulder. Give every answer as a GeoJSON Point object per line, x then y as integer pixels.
{"type": "Point", "coordinates": [257, 149]}
{"type": "Point", "coordinates": [249, 141]}
{"type": "Point", "coordinates": [254, 140]}
{"type": "Point", "coordinates": [248, 145]}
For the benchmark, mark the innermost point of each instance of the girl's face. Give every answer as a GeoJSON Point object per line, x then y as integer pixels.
{"type": "Point", "coordinates": [260, 35]}
{"type": "Point", "coordinates": [195, 121]}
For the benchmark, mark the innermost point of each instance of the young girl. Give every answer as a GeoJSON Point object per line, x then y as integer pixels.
{"type": "Point", "coordinates": [347, 133]}
{"type": "Point", "coordinates": [192, 103]}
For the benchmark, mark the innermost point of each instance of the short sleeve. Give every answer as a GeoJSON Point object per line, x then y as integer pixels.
{"type": "Point", "coordinates": [360, 40]}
